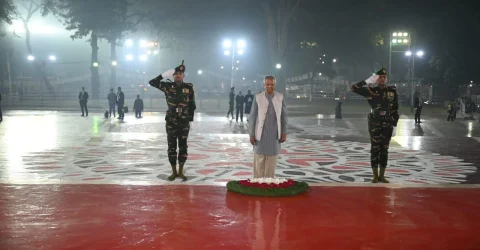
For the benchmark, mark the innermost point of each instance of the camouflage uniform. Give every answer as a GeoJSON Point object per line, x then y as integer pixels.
{"type": "Point", "coordinates": [383, 117]}
{"type": "Point", "coordinates": [181, 106]}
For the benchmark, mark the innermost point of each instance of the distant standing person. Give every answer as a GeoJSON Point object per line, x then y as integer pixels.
{"type": "Point", "coordinates": [83, 99]}
{"type": "Point", "coordinates": [239, 100]}
{"type": "Point", "coordinates": [138, 107]}
{"type": "Point", "coordinates": [454, 110]}
{"type": "Point", "coordinates": [451, 111]}
{"type": "Point", "coordinates": [231, 102]}
{"type": "Point", "coordinates": [267, 129]}
{"type": "Point", "coordinates": [418, 108]}
{"type": "Point", "coordinates": [120, 103]}
{"type": "Point", "coordinates": [248, 102]}
{"type": "Point", "coordinates": [112, 99]}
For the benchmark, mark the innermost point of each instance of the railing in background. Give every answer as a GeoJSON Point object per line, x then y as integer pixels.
{"type": "Point", "coordinates": [154, 104]}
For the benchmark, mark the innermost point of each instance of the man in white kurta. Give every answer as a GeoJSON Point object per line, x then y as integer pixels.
{"type": "Point", "coordinates": [267, 129]}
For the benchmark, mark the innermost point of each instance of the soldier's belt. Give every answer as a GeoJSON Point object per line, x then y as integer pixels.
{"type": "Point", "coordinates": [176, 110]}
{"type": "Point", "coordinates": [379, 112]}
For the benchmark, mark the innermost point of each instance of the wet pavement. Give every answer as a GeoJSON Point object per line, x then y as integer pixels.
{"type": "Point", "coordinates": [51, 146]}
{"type": "Point", "coordinates": [48, 158]}
{"type": "Point", "coordinates": [207, 217]}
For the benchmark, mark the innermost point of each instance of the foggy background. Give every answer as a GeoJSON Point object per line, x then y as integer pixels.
{"type": "Point", "coordinates": [316, 49]}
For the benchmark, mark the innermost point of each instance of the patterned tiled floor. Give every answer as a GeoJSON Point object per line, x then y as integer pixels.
{"type": "Point", "coordinates": [64, 147]}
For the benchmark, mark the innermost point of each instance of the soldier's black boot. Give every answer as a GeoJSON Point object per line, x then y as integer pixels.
{"type": "Point", "coordinates": [180, 172]}
{"type": "Point", "coordinates": [381, 177]}
{"type": "Point", "coordinates": [174, 173]}
{"type": "Point", "coordinates": [375, 175]}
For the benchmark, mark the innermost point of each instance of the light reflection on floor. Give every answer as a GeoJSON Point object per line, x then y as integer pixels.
{"type": "Point", "coordinates": [43, 145]}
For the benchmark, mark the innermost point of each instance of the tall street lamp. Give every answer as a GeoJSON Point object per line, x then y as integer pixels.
{"type": "Point", "coordinates": [412, 55]}
{"type": "Point", "coordinates": [230, 50]}
{"type": "Point", "coordinates": [398, 40]}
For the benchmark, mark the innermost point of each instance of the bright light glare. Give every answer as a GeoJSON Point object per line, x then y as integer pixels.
{"type": "Point", "coordinates": [52, 58]}
{"type": "Point", "coordinates": [278, 66]}
{"type": "Point", "coordinates": [395, 34]}
{"type": "Point", "coordinates": [200, 72]}
{"type": "Point", "coordinates": [149, 52]}
{"type": "Point", "coordinates": [143, 43]}
{"type": "Point", "coordinates": [420, 53]}
{"type": "Point", "coordinates": [243, 78]}
{"type": "Point", "coordinates": [405, 40]}
{"type": "Point", "coordinates": [221, 67]}
{"type": "Point", "coordinates": [334, 60]}
{"type": "Point", "coordinates": [95, 64]}
{"type": "Point", "coordinates": [114, 63]}
{"type": "Point", "coordinates": [227, 43]}
{"type": "Point", "coordinates": [129, 57]}
{"type": "Point", "coordinates": [129, 43]}
{"type": "Point", "coordinates": [155, 52]}
{"type": "Point", "coordinates": [31, 58]}
{"type": "Point", "coordinates": [240, 52]}
{"type": "Point", "coordinates": [394, 41]}
{"type": "Point", "coordinates": [36, 27]}
{"type": "Point", "coordinates": [226, 52]}
{"type": "Point", "coordinates": [408, 53]}
{"type": "Point", "coordinates": [319, 74]}
{"type": "Point", "coordinates": [405, 34]}
{"type": "Point", "coordinates": [143, 58]}
{"type": "Point", "coordinates": [241, 44]}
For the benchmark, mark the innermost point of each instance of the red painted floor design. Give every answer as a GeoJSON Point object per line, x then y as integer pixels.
{"type": "Point", "coordinates": [208, 217]}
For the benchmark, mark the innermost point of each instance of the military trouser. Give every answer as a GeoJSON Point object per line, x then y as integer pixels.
{"type": "Point", "coordinates": [177, 131]}
{"type": "Point", "coordinates": [380, 135]}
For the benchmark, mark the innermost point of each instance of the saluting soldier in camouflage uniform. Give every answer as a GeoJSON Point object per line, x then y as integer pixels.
{"type": "Point", "coordinates": [382, 121]}
{"type": "Point", "coordinates": [180, 99]}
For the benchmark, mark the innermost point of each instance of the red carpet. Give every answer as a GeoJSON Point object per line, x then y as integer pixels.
{"type": "Point", "coordinates": [207, 217]}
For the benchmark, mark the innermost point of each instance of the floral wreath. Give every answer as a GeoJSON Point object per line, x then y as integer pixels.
{"type": "Point", "coordinates": [272, 187]}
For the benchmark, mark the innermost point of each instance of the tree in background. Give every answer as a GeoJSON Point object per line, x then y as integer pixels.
{"type": "Point", "coordinates": [7, 11]}
{"type": "Point", "coordinates": [121, 19]}
{"type": "Point", "coordinates": [85, 18]}
{"type": "Point", "coordinates": [279, 15]}
{"type": "Point", "coordinates": [30, 9]}
{"type": "Point", "coordinates": [7, 14]}
{"type": "Point", "coordinates": [108, 19]}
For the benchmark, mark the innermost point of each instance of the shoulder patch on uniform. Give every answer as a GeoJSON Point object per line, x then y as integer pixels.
{"type": "Point", "coordinates": [392, 88]}
{"type": "Point", "coordinates": [189, 84]}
